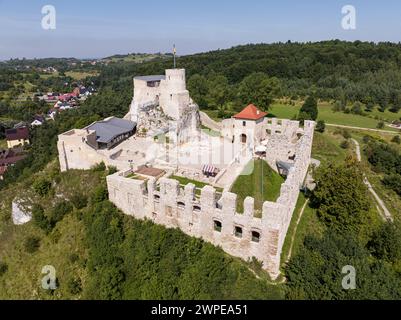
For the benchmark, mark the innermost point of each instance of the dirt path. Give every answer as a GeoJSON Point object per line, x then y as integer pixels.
{"type": "Point", "coordinates": [359, 128]}
{"type": "Point", "coordinates": [295, 231]}
{"type": "Point", "coordinates": [383, 211]}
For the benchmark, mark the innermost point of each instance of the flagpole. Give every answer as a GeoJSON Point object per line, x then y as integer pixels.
{"type": "Point", "coordinates": [174, 52]}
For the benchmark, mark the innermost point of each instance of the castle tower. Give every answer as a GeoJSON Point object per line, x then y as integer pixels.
{"type": "Point", "coordinates": [174, 97]}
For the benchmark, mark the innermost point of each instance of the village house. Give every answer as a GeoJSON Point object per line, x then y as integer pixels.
{"type": "Point", "coordinates": [38, 121]}
{"type": "Point", "coordinates": [9, 157]}
{"type": "Point", "coordinates": [17, 137]}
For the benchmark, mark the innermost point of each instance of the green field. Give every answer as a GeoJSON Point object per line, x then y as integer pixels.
{"type": "Point", "coordinates": [340, 118]}
{"type": "Point", "coordinates": [263, 184]}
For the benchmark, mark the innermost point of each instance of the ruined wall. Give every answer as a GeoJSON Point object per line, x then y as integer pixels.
{"type": "Point", "coordinates": [172, 206]}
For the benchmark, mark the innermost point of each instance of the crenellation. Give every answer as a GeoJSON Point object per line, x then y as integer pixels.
{"type": "Point", "coordinates": [145, 189]}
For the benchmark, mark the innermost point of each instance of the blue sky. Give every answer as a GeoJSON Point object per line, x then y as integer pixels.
{"type": "Point", "coordinates": [87, 29]}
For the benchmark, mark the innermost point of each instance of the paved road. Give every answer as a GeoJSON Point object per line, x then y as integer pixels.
{"type": "Point", "coordinates": [360, 128]}
{"type": "Point", "coordinates": [384, 212]}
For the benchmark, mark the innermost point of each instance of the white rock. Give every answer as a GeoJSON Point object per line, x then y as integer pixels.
{"type": "Point", "coordinates": [19, 215]}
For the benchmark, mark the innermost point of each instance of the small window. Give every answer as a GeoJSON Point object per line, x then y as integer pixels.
{"type": "Point", "coordinates": [181, 205]}
{"type": "Point", "coordinates": [255, 236]}
{"type": "Point", "coordinates": [156, 197]}
{"type": "Point", "coordinates": [238, 232]}
{"type": "Point", "coordinates": [244, 123]}
{"type": "Point", "coordinates": [217, 226]}
{"type": "Point", "coordinates": [197, 208]}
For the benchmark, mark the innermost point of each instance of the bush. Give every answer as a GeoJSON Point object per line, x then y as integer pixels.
{"type": "Point", "coordinates": [74, 285]}
{"type": "Point", "coordinates": [32, 244]}
{"type": "Point", "coordinates": [396, 140]}
{"type": "Point", "coordinates": [79, 200]}
{"type": "Point", "coordinates": [386, 242]}
{"type": "Point", "coordinates": [42, 187]}
{"type": "Point", "coordinates": [321, 126]}
{"type": "Point", "coordinates": [112, 169]}
{"type": "Point", "coordinates": [3, 268]}
{"type": "Point", "coordinates": [344, 144]}
{"type": "Point", "coordinates": [73, 257]}
{"type": "Point", "coordinates": [99, 167]}
{"type": "Point", "coordinates": [60, 210]}
{"type": "Point", "coordinates": [39, 218]}
{"type": "Point", "coordinates": [99, 194]}
{"type": "Point", "coordinates": [380, 125]}
{"type": "Point", "coordinates": [393, 182]}
{"type": "Point", "coordinates": [346, 134]}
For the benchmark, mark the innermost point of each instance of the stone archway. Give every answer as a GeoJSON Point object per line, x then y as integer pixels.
{"type": "Point", "coordinates": [243, 138]}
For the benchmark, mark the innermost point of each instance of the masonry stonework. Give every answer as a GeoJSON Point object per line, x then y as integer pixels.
{"type": "Point", "coordinates": [213, 217]}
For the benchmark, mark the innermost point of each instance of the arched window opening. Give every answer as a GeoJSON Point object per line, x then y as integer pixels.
{"type": "Point", "coordinates": [238, 232]}
{"type": "Point", "coordinates": [217, 226]}
{"type": "Point", "coordinates": [255, 236]}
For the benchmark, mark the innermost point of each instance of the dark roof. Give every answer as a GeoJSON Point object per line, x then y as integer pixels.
{"type": "Point", "coordinates": [17, 134]}
{"type": "Point", "coordinates": [10, 156]}
{"type": "Point", "coordinates": [151, 78]}
{"type": "Point", "coordinates": [111, 128]}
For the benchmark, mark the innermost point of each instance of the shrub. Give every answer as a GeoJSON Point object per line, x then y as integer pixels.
{"type": "Point", "coordinates": [99, 167]}
{"type": "Point", "coordinates": [79, 200]}
{"type": "Point", "coordinates": [346, 134]}
{"type": "Point", "coordinates": [393, 182]}
{"type": "Point", "coordinates": [99, 194]}
{"type": "Point", "coordinates": [39, 218]}
{"type": "Point", "coordinates": [321, 126]}
{"type": "Point", "coordinates": [32, 244]}
{"type": "Point", "coordinates": [3, 268]}
{"type": "Point", "coordinates": [73, 257]}
{"type": "Point", "coordinates": [112, 169]}
{"type": "Point", "coordinates": [344, 144]}
{"type": "Point", "coordinates": [74, 285]}
{"type": "Point", "coordinates": [396, 140]}
{"type": "Point", "coordinates": [380, 125]}
{"type": "Point", "coordinates": [60, 210]}
{"type": "Point", "coordinates": [42, 187]}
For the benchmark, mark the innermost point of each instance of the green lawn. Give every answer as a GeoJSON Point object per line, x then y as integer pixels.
{"type": "Point", "coordinates": [199, 185]}
{"type": "Point", "coordinates": [79, 75]}
{"type": "Point", "coordinates": [326, 113]}
{"type": "Point", "coordinates": [263, 184]}
{"type": "Point", "coordinates": [326, 147]}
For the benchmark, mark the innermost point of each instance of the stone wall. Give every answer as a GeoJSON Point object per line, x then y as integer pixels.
{"type": "Point", "coordinates": [169, 204]}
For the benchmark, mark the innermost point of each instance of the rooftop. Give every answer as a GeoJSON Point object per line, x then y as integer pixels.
{"type": "Point", "coordinates": [17, 134]}
{"type": "Point", "coordinates": [251, 112]}
{"type": "Point", "coordinates": [110, 128]}
{"type": "Point", "coordinates": [151, 78]}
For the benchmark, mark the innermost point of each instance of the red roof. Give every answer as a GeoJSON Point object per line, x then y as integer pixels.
{"type": "Point", "coordinates": [17, 134]}
{"type": "Point", "coordinates": [251, 113]}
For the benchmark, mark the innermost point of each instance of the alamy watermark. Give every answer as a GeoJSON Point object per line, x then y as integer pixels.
{"type": "Point", "coordinates": [49, 18]}
{"type": "Point", "coordinates": [49, 281]}
{"type": "Point", "coordinates": [348, 21]}
{"type": "Point", "coordinates": [349, 281]}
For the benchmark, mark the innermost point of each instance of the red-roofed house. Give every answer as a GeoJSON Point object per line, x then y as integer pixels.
{"type": "Point", "coordinates": [250, 113]}
{"type": "Point", "coordinates": [246, 127]}
{"type": "Point", "coordinates": [17, 136]}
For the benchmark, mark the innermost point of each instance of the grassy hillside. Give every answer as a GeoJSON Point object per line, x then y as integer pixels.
{"type": "Point", "coordinates": [99, 253]}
